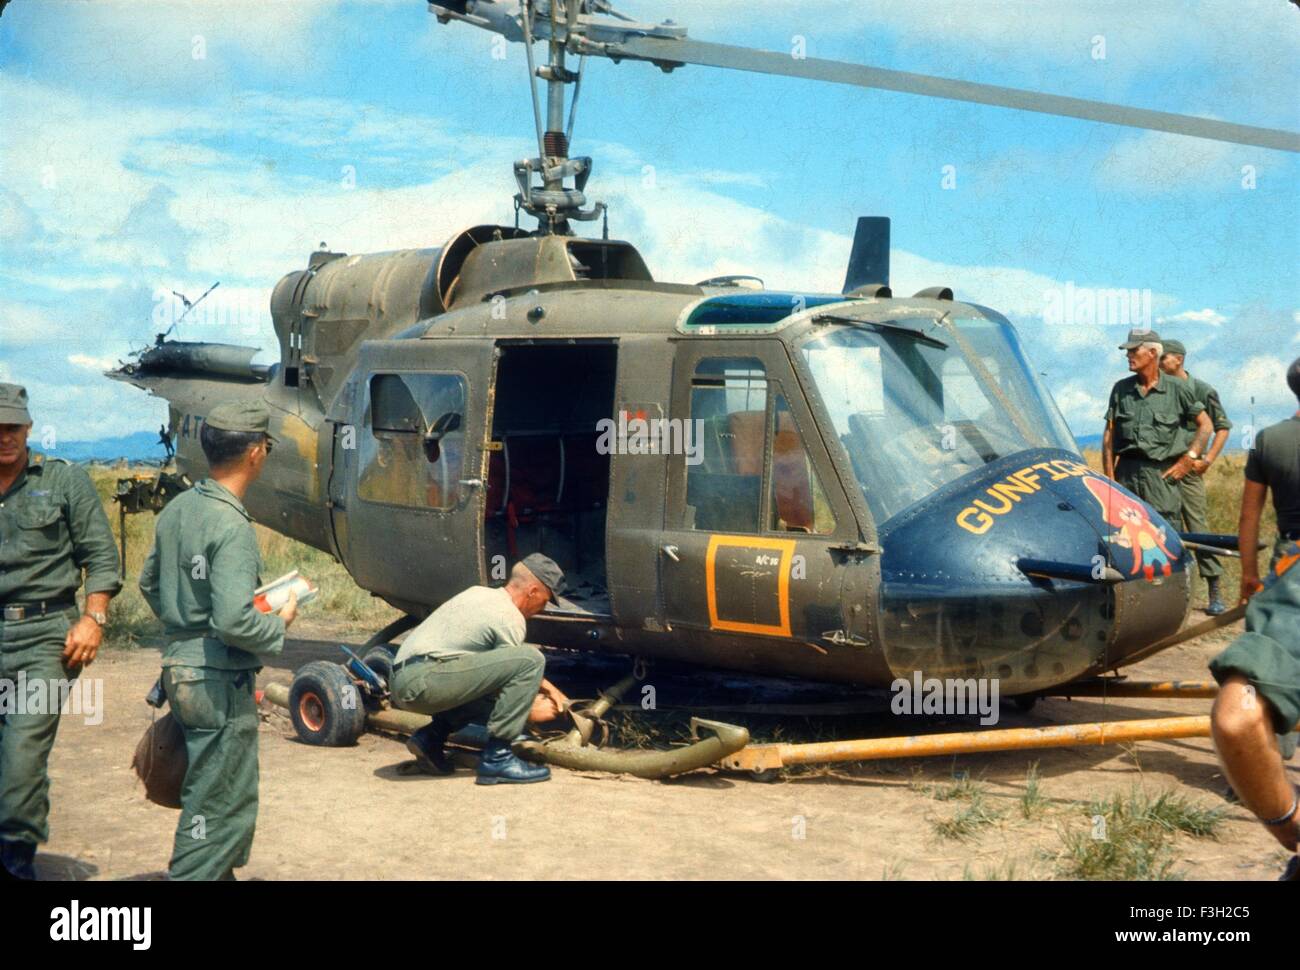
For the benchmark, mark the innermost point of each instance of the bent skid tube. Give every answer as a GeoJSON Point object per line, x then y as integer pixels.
{"type": "Point", "coordinates": [722, 741]}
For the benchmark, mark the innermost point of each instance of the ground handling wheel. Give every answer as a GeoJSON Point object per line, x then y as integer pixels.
{"type": "Point", "coordinates": [325, 706]}
{"type": "Point", "coordinates": [380, 660]}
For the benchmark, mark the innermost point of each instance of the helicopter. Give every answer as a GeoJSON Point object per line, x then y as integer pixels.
{"type": "Point", "coordinates": [838, 487]}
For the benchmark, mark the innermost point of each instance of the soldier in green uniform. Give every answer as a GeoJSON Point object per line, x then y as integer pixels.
{"type": "Point", "coordinates": [1259, 674]}
{"type": "Point", "coordinates": [199, 580]}
{"type": "Point", "coordinates": [52, 527]}
{"type": "Point", "coordinates": [1192, 485]}
{"type": "Point", "coordinates": [1143, 447]}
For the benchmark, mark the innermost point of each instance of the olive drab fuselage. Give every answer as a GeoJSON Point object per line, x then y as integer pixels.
{"type": "Point", "coordinates": [829, 487]}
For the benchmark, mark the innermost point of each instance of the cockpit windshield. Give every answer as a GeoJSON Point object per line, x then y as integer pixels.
{"type": "Point", "coordinates": [920, 397]}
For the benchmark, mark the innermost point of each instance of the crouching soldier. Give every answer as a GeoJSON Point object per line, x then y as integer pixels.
{"type": "Point", "coordinates": [52, 526]}
{"type": "Point", "coordinates": [199, 580]}
{"type": "Point", "coordinates": [467, 662]}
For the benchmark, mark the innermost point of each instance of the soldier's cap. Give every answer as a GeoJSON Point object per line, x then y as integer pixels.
{"type": "Point", "coordinates": [13, 405]}
{"type": "Point", "coordinates": [1136, 338]}
{"type": "Point", "coordinates": [548, 573]}
{"type": "Point", "coordinates": [251, 417]}
{"type": "Point", "coordinates": [1174, 347]}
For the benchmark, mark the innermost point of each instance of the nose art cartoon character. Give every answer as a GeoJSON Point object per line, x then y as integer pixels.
{"type": "Point", "coordinates": [1136, 531]}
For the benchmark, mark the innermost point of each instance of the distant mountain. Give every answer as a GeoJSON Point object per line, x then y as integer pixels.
{"type": "Point", "coordinates": [137, 446]}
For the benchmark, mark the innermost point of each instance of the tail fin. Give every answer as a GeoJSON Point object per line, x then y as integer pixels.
{"type": "Point", "coordinates": [869, 259]}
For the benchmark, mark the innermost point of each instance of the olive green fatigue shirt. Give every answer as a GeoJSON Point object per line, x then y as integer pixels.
{"type": "Point", "coordinates": [199, 580]}
{"type": "Point", "coordinates": [1208, 396]}
{"type": "Point", "coordinates": [52, 526]}
{"type": "Point", "coordinates": [1150, 426]}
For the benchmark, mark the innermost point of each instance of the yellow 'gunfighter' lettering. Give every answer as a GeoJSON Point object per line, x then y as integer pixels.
{"type": "Point", "coordinates": [978, 516]}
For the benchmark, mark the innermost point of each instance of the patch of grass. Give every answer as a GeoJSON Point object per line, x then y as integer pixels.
{"type": "Point", "coordinates": [961, 787]}
{"type": "Point", "coordinates": [1033, 802]}
{"type": "Point", "coordinates": [1176, 813]}
{"type": "Point", "coordinates": [966, 823]}
{"type": "Point", "coordinates": [1131, 837]}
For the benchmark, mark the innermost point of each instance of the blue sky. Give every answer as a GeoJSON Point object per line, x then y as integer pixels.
{"type": "Point", "coordinates": [130, 166]}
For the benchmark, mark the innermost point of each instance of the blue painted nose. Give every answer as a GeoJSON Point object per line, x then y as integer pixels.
{"type": "Point", "coordinates": [1034, 570]}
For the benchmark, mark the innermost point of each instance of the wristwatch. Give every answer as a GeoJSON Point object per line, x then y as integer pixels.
{"type": "Point", "coordinates": [1192, 455]}
{"type": "Point", "coordinates": [98, 617]}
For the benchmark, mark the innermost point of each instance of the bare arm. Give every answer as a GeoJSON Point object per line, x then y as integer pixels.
{"type": "Point", "coordinates": [1204, 428]}
{"type": "Point", "coordinates": [1252, 504]}
{"type": "Point", "coordinates": [1204, 431]}
{"type": "Point", "coordinates": [1107, 450]}
{"type": "Point", "coordinates": [1216, 447]}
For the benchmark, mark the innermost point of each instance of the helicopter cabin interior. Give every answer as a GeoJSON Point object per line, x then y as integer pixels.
{"type": "Point", "coordinates": [548, 484]}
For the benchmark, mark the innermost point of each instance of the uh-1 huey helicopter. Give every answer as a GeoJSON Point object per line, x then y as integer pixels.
{"type": "Point", "coordinates": [845, 487]}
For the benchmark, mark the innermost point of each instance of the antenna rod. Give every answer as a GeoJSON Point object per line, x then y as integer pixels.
{"type": "Point", "coordinates": [526, 9]}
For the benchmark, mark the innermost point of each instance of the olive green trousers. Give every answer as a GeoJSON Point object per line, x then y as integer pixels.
{"type": "Point", "coordinates": [218, 714]}
{"type": "Point", "coordinates": [1144, 479]}
{"type": "Point", "coordinates": [1195, 519]}
{"type": "Point", "coordinates": [31, 651]}
{"type": "Point", "coordinates": [496, 686]}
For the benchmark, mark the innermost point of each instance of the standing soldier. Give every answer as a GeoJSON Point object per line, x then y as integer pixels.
{"type": "Point", "coordinates": [1143, 447]}
{"type": "Point", "coordinates": [199, 580]}
{"type": "Point", "coordinates": [1192, 485]}
{"type": "Point", "coordinates": [1259, 674]}
{"type": "Point", "coordinates": [52, 526]}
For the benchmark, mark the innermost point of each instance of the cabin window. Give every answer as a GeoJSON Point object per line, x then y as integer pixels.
{"type": "Point", "coordinates": [724, 486]}
{"type": "Point", "coordinates": [798, 502]}
{"type": "Point", "coordinates": [413, 447]}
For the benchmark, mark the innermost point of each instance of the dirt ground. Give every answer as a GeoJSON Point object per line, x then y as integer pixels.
{"type": "Point", "coordinates": [361, 813]}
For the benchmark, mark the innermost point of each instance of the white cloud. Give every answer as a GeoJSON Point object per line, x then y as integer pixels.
{"type": "Point", "coordinates": [1264, 378]}
{"type": "Point", "coordinates": [1156, 161]}
{"type": "Point", "coordinates": [1082, 405]}
{"type": "Point", "coordinates": [1207, 317]}
{"type": "Point", "coordinates": [26, 325]}
{"type": "Point", "coordinates": [96, 364]}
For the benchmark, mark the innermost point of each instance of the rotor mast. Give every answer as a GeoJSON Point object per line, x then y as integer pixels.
{"type": "Point", "coordinates": [552, 203]}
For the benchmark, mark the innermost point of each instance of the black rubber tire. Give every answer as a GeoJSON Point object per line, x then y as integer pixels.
{"type": "Point", "coordinates": [1025, 702]}
{"type": "Point", "coordinates": [380, 660]}
{"type": "Point", "coordinates": [325, 706]}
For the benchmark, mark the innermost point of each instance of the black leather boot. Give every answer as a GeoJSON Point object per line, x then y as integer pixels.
{"type": "Point", "coordinates": [499, 765]}
{"type": "Point", "coordinates": [18, 858]}
{"type": "Point", "coordinates": [427, 744]}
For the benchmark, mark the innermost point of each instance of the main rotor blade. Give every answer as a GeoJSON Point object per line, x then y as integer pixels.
{"type": "Point", "coordinates": [671, 51]}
